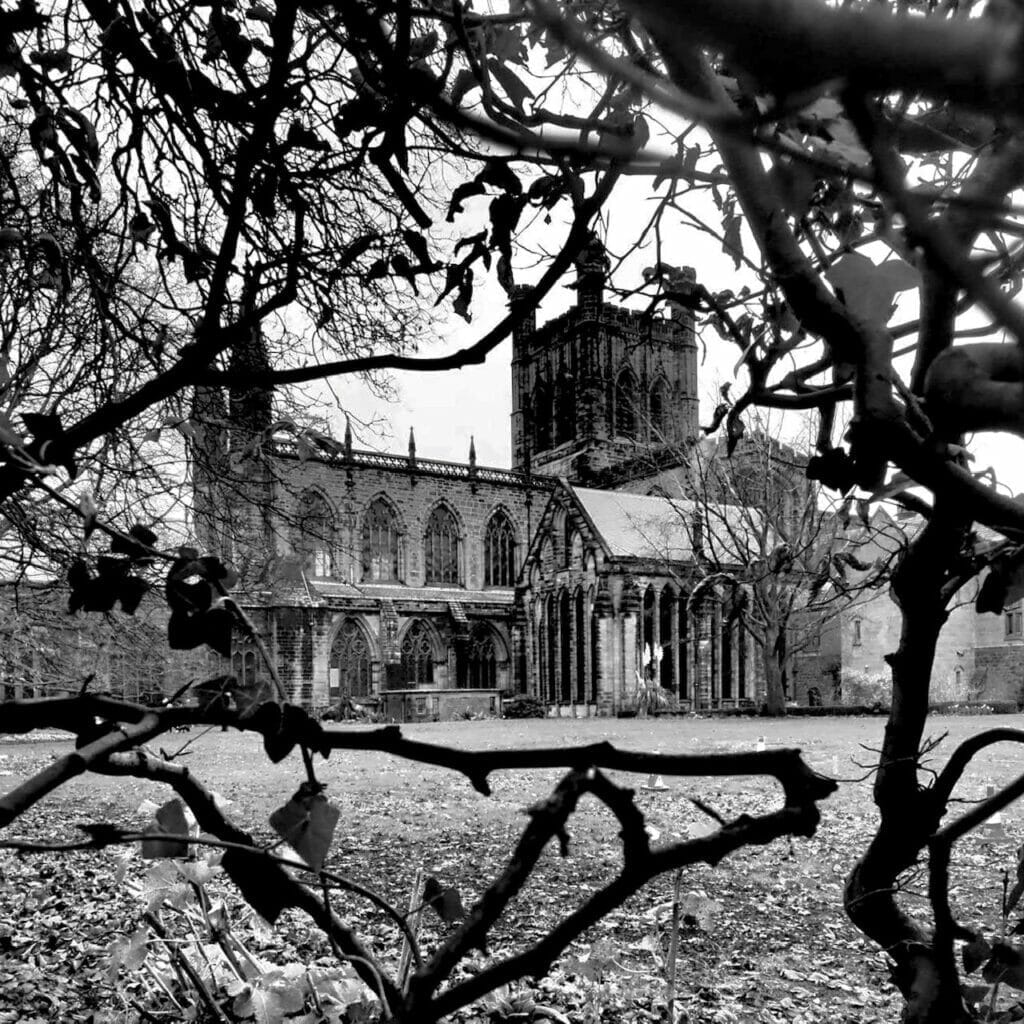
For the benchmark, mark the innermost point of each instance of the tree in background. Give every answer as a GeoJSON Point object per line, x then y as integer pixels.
{"type": "Point", "coordinates": [778, 553]}
{"type": "Point", "coordinates": [276, 175]}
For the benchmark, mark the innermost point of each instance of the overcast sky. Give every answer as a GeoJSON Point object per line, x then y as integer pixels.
{"type": "Point", "coordinates": [447, 409]}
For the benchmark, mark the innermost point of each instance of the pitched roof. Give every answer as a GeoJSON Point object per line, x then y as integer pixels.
{"type": "Point", "coordinates": [649, 526]}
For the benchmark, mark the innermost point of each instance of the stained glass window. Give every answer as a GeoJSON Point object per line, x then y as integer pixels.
{"type": "Point", "coordinates": [417, 655]}
{"type": "Point", "coordinates": [542, 415]}
{"type": "Point", "coordinates": [380, 542]}
{"type": "Point", "coordinates": [314, 541]}
{"type": "Point", "coordinates": [351, 670]}
{"type": "Point", "coordinates": [625, 404]}
{"type": "Point", "coordinates": [483, 659]}
{"type": "Point", "coordinates": [658, 410]}
{"type": "Point", "coordinates": [499, 552]}
{"type": "Point", "coordinates": [441, 547]}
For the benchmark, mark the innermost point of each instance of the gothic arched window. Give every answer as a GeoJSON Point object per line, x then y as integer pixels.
{"type": "Point", "coordinates": [441, 547]}
{"type": "Point", "coordinates": [659, 409]}
{"type": "Point", "coordinates": [625, 404]}
{"type": "Point", "coordinates": [542, 415]}
{"type": "Point", "coordinates": [417, 655]}
{"type": "Point", "coordinates": [499, 552]}
{"type": "Point", "coordinates": [483, 659]}
{"type": "Point", "coordinates": [314, 534]}
{"type": "Point", "coordinates": [380, 542]}
{"type": "Point", "coordinates": [350, 666]}
{"type": "Point", "coordinates": [565, 407]}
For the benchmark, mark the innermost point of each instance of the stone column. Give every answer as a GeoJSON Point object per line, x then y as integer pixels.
{"type": "Point", "coordinates": [630, 613]}
{"type": "Point", "coordinates": [655, 639]}
{"type": "Point", "coordinates": [701, 632]}
{"type": "Point", "coordinates": [677, 651]}
{"type": "Point", "coordinates": [604, 671]}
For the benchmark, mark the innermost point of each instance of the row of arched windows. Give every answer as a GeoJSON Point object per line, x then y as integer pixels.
{"type": "Point", "coordinates": [689, 649]}
{"type": "Point", "coordinates": [553, 409]}
{"type": "Point", "coordinates": [567, 648]}
{"type": "Point", "coordinates": [381, 546]}
{"type": "Point", "coordinates": [351, 659]}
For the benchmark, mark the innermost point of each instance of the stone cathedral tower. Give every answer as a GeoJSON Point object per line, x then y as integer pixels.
{"type": "Point", "coordinates": [602, 393]}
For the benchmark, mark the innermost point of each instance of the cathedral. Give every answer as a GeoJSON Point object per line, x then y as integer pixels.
{"type": "Point", "coordinates": [433, 589]}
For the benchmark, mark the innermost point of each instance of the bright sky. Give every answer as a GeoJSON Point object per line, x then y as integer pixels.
{"type": "Point", "coordinates": [447, 409]}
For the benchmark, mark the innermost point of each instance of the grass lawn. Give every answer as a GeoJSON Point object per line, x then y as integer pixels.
{"type": "Point", "coordinates": [770, 943]}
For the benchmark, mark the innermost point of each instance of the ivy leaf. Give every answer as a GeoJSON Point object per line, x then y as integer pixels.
{"type": "Point", "coordinates": [732, 242]}
{"type": "Point", "coordinates": [462, 193]}
{"type": "Point", "coordinates": [867, 290]}
{"type": "Point", "coordinates": [443, 900]}
{"type": "Point", "coordinates": [269, 1004]}
{"type": "Point", "coordinates": [171, 819]}
{"type": "Point", "coordinates": [260, 881]}
{"type": "Point", "coordinates": [505, 213]}
{"type": "Point", "coordinates": [1006, 965]}
{"type": "Point", "coordinates": [975, 953]}
{"type": "Point", "coordinates": [354, 250]}
{"type": "Point", "coordinates": [514, 87]}
{"type": "Point", "coordinates": [498, 173]}
{"type": "Point", "coordinates": [130, 594]}
{"type": "Point", "coordinates": [834, 468]}
{"type": "Point", "coordinates": [465, 82]}
{"type": "Point", "coordinates": [307, 823]}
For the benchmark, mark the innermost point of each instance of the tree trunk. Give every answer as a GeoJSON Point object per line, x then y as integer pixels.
{"type": "Point", "coordinates": [775, 692]}
{"type": "Point", "coordinates": [908, 814]}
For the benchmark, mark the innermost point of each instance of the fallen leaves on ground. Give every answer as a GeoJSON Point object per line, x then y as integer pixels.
{"type": "Point", "coordinates": [763, 937]}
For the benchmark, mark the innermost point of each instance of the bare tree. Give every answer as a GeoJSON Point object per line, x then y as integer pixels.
{"type": "Point", "coordinates": [283, 170]}
{"type": "Point", "coordinates": [774, 549]}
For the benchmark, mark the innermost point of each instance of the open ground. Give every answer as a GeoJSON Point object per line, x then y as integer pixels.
{"type": "Point", "coordinates": [764, 938]}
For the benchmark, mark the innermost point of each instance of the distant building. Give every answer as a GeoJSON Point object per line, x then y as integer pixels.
{"type": "Point", "coordinates": [979, 657]}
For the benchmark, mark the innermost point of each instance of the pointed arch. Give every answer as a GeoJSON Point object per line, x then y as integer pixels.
{"type": "Point", "coordinates": [314, 537]}
{"type": "Point", "coordinates": [350, 663]}
{"type": "Point", "coordinates": [485, 654]}
{"type": "Point", "coordinates": [381, 541]}
{"type": "Point", "coordinates": [625, 404]}
{"type": "Point", "coordinates": [648, 653]}
{"type": "Point", "coordinates": [580, 645]}
{"type": "Point", "coordinates": [418, 651]}
{"type": "Point", "coordinates": [441, 547]}
{"type": "Point", "coordinates": [667, 622]}
{"type": "Point", "coordinates": [565, 406]}
{"type": "Point", "coordinates": [595, 646]}
{"type": "Point", "coordinates": [542, 414]}
{"type": "Point", "coordinates": [658, 408]}
{"type": "Point", "coordinates": [564, 641]}
{"type": "Point", "coordinates": [500, 568]}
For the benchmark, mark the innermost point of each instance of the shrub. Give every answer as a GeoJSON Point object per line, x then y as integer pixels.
{"type": "Point", "coordinates": [524, 707]}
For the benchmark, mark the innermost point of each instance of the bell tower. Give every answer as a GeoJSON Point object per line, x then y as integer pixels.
{"type": "Point", "coordinates": [602, 391]}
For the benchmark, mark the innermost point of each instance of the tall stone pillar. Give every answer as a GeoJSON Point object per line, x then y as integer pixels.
{"type": "Point", "coordinates": [629, 614]}
{"type": "Point", "coordinates": [701, 631]}
{"type": "Point", "coordinates": [605, 669]}
{"type": "Point", "coordinates": [678, 653]}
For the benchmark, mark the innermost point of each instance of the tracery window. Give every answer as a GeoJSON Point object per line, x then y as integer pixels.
{"type": "Point", "coordinates": [483, 659]}
{"type": "Point", "coordinates": [565, 408]}
{"type": "Point", "coordinates": [441, 547]}
{"type": "Point", "coordinates": [314, 541]}
{"type": "Point", "coordinates": [1013, 619]}
{"type": "Point", "coordinates": [625, 404]}
{"type": "Point", "coordinates": [380, 542]}
{"type": "Point", "coordinates": [658, 410]}
{"type": "Point", "coordinates": [243, 667]}
{"type": "Point", "coordinates": [351, 667]}
{"type": "Point", "coordinates": [417, 655]}
{"type": "Point", "coordinates": [499, 552]}
{"type": "Point", "coordinates": [542, 415]}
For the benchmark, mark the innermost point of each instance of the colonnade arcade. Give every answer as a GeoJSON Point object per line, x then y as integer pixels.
{"type": "Point", "coordinates": [585, 654]}
{"type": "Point", "coordinates": [691, 649]}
